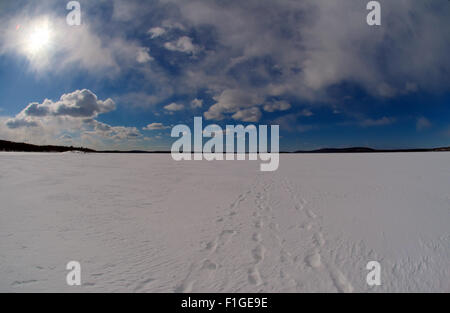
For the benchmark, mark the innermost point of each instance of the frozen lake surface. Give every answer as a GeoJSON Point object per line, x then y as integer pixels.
{"type": "Point", "coordinates": [145, 223]}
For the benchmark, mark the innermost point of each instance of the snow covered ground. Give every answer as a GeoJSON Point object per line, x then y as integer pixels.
{"type": "Point", "coordinates": [145, 223]}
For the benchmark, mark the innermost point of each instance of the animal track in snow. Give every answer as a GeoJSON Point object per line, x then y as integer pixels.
{"type": "Point", "coordinates": [311, 214]}
{"type": "Point", "coordinates": [258, 253]}
{"type": "Point", "coordinates": [254, 277]}
{"type": "Point", "coordinates": [318, 239]}
{"type": "Point", "coordinates": [207, 264]}
{"type": "Point", "coordinates": [257, 237]}
{"type": "Point", "coordinates": [314, 260]}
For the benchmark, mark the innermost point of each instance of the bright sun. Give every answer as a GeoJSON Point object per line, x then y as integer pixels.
{"type": "Point", "coordinates": [38, 38]}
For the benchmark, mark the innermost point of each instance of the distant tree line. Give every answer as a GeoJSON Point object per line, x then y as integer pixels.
{"type": "Point", "coordinates": [25, 147]}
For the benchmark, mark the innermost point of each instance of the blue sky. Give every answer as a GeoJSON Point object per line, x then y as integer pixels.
{"type": "Point", "coordinates": [134, 69]}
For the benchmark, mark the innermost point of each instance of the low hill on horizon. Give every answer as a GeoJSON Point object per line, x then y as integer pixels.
{"type": "Point", "coordinates": [370, 150]}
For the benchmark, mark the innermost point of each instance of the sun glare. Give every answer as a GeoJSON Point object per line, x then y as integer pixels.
{"type": "Point", "coordinates": [38, 38]}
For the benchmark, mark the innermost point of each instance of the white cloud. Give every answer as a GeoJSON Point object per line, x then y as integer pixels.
{"type": "Point", "coordinates": [67, 47]}
{"type": "Point", "coordinates": [232, 101]}
{"type": "Point", "coordinates": [143, 55]}
{"type": "Point", "coordinates": [112, 132]}
{"type": "Point", "coordinates": [174, 107]}
{"type": "Point", "coordinates": [66, 137]}
{"type": "Point", "coordinates": [126, 10]}
{"type": "Point", "coordinates": [146, 100]}
{"type": "Point", "coordinates": [313, 45]}
{"type": "Point", "coordinates": [169, 24]}
{"type": "Point", "coordinates": [248, 115]}
{"type": "Point", "coordinates": [156, 32]}
{"type": "Point", "coordinates": [196, 103]}
{"type": "Point", "coordinates": [183, 44]}
{"type": "Point", "coordinates": [277, 106]}
{"type": "Point", "coordinates": [318, 44]}
{"type": "Point", "coordinates": [155, 126]}
{"type": "Point", "coordinates": [78, 104]}
{"type": "Point", "coordinates": [291, 49]}
{"type": "Point", "coordinates": [72, 117]}
{"type": "Point", "coordinates": [20, 123]}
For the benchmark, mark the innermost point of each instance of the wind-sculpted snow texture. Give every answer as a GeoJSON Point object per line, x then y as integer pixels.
{"type": "Point", "coordinates": [146, 223]}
